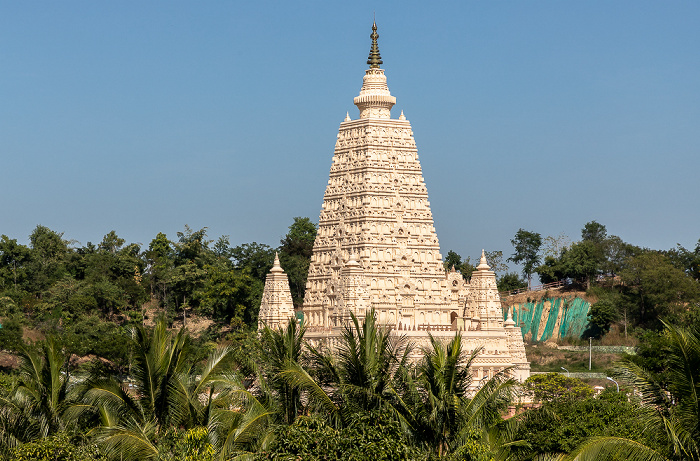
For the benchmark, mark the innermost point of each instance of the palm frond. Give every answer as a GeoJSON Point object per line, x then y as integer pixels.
{"type": "Point", "coordinates": [599, 448]}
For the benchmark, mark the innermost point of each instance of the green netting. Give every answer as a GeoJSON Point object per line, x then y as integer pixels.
{"type": "Point", "coordinates": [574, 318]}
{"type": "Point", "coordinates": [536, 319]}
{"type": "Point", "coordinates": [522, 315]}
{"type": "Point", "coordinates": [551, 319]}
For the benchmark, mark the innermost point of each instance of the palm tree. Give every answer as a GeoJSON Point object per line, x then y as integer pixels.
{"type": "Point", "coordinates": [449, 408]}
{"type": "Point", "coordinates": [671, 414]}
{"type": "Point", "coordinates": [282, 348]}
{"type": "Point", "coordinates": [36, 407]}
{"type": "Point", "coordinates": [367, 372]}
{"type": "Point", "coordinates": [165, 393]}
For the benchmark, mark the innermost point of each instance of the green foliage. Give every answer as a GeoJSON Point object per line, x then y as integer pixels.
{"type": "Point", "coordinates": [455, 260]}
{"type": "Point", "coordinates": [555, 386]}
{"type": "Point", "coordinates": [257, 258]}
{"type": "Point", "coordinates": [14, 259]}
{"type": "Point", "coordinates": [510, 281]}
{"type": "Point", "coordinates": [56, 448]}
{"type": "Point", "coordinates": [552, 270]}
{"type": "Point", "coordinates": [669, 415]}
{"type": "Point", "coordinates": [92, 336]}
{"type": "Point", "coordinates": [295, 256]}
{"type": "Point", "coordinates": [594, 232]}
{"type": "Point", "coordinates": [560, 425]}
{"type": "Point", "coordinates": [527, 246]}
{"type": "Point", "coordinates": [686, 260]}
{"type": "Point", "coordinates": [7, 383]}
{"type": "Point", "coordinates": [49, 253]}
{"type": "Point", "coordinates": [582, 260]}
{"type": "Point", "coordinates": [190, 445]}
{"type": "Point", "coordinates": [282, 348]}
{"type": "Point", "coordinates": [655, 289]}
{"type": "Point", "coordinates": [37, 405]}
{"type": "Point", "coordinates": [372, 435]}
{"type": "Point", "coordinates": [229, 294]}
{"type": "Point", "coordinates": [11, 334]}
{"type": "Point", "coordinates": [601, 315]}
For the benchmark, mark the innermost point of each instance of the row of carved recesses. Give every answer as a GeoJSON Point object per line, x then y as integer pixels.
{"type": "Point", "coordinates": [370, 190]}
{"type": "Point", "coordinates": [382, 258]}
{"type": "Point", "coordinates": [386, 227]}
{"type": "Point", "coordinates": [378, 254]}
{"type": "Point", "coordinates": [420, 319]}
{"type": "Point", "coordinates": [392, 129]}
{"type": "Point", "coordinates": [387, 201]}
{"type": "Point", "coordinates": [387, 284]}
{"type": "Point", "coordinates": [376, 154]}
{"type": "Point", "coordinates": [376, 173]}
{"type": "Point", "coordinates": [366, 171]}
{"type": "Point", "coordinates": [330, 239]}
{"type": "Point", "coordinates": [365, 159]}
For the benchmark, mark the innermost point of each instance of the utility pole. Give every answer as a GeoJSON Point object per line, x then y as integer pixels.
{"type": "Point", "coordinates": [590, 352]}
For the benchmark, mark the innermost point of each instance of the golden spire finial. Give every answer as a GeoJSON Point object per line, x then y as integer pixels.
{"type": "Point", "coordinates": [374, 59]}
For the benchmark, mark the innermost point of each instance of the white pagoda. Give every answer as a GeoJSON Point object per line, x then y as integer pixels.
{"type": "Point", "coordinates": [377, 247]}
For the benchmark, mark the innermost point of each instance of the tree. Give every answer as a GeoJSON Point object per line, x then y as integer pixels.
{"type": "Point", "coordinates": [230, 294]}
{"type": "Point", "coordinates": [594, 232]}
{"type": "Point", "coordinates": [11, 334]}
{"type": "Point", "coordinates": [37, 406]}
{"type": "Point", "coordinates": [283, 349]}
{"type": "Point", "coordinates": [553, 246]}
{"type": "Point", "coordinates": [582, 260]}
{"type": "Point", "coordinates": [166, 392]}
{"type": "Point", "coordinates": [465, 267]}
{"type": "Point", "coordinates": [669, 415]}
{"type": "Point", "coordinates": [558, 426]}
{"type": "Point", "coordinates": [13, 263]}
{"type": "Point", "coordinates": [510, 281]}
{"type": "Point", "coordinates": [111, 242]}
{"type": "Point", "coordinates": [160, 266]}
{"type": "Point", "coordinates": [495, 261]}
{"type": "Point", "coordinates": [601, 315]}
{"type": "Point", "coordinates": [295, 256]}
{"type": "Point", "coordinates": [256, 257]}
{"type": "Point", "coordinates": [527, 246]}
{"type": "Point", "coordinates": [617, 253]}
{"type": "Point", "coordinates": [553, 269]}
{"type": "Point", "coordinates": [446, 410]}
{"type": "Point", "coordinates": [49, 253]}
{"type": "Point", "coordinates": [372, 435]}
{"type": "Point", "coordinates": [655, 289]}
{"type": "Point", "coordinates": [552, 386]}
{"type": "Point", "coordinates": [686, 260]}
{"type": "Point", "coordinates": [365, 373]}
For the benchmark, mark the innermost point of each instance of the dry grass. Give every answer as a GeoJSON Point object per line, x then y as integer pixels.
{"type": "Point", "coordinates": [546, 358]}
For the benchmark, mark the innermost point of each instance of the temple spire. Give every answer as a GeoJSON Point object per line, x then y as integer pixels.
{"type": "Point", "coordinates": [483, 265]}
{"type": "Point", "coordinates": [374, 59]}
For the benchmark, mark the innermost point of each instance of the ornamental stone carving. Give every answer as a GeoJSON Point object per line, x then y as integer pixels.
{"type": "Point", "coordinates": [376, 246]}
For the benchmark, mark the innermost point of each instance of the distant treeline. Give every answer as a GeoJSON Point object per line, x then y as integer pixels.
{"type": "Point", "coordinates": [86, 292]}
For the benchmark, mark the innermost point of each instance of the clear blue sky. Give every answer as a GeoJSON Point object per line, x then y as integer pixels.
{"type": "Point", "coordinates": [145, 116]}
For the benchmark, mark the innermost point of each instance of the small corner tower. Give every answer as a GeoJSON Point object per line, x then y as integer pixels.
{"type": "Point", "coordinates": [276, 307]}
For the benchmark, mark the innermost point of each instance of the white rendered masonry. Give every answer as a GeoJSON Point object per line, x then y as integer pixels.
{"type": "Point", "coordinates": [377, 247]}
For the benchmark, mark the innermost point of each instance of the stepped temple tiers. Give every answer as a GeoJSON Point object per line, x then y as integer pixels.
{"type": "Point", "coordinates": [377, 247]}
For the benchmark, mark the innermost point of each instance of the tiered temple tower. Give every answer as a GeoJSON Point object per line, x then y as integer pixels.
{"type": "Point", "coordinates": [276, 307]}
{"type": "Point", "coordinates": [377, 247]}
